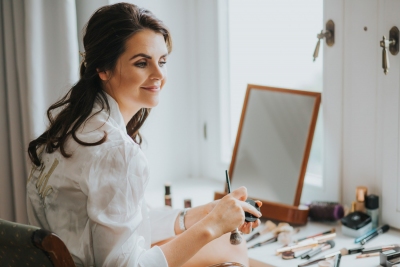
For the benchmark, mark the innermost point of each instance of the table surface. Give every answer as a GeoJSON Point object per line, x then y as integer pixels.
{"type": "Point", "coordinates": [265, 256]}
{"type": "Point", "coordinates": [201, 191]}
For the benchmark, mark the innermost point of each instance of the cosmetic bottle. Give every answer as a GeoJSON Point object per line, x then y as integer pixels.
{"type": "Point", "coordinates": [187, 203]}
{"type": "Point", "coordinates": [361, 193]}
{"type": "Point", "coordinates": [372, 207]}
{"type": "Point", "coordinates": [167, 197]}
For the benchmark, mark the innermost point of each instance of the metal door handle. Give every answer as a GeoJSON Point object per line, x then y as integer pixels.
{"type": "Point", "coordinates": [329, 35]}
{"type": "Point", "coordinates": [392, 44]}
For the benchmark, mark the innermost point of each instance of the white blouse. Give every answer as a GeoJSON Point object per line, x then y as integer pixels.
{"type": "Point", "coordinates": [94, 200]}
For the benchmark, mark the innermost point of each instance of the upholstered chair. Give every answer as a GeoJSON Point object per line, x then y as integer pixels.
{"type": "Point", "coordinates": [25, 245]}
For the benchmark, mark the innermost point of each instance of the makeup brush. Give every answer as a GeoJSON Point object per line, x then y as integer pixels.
{"type": "Point", "coordinates": [378, 231]}
{"type": "Point", "coordinates": [342, 252]}
{"type": "Point", "coordinates": [380, 248]}
{"type": "Point", "coordinates": [268, 241]}
{"type": "Point", "coordinates": [236, 237]}
{"type": "Point", "coordinates": [268, 227]}
{"type": "Point", "coordinates": [333, 230]}
{"type": "Point", "coordinates": [329, 244]}
{"type": "Point", "coordinates": [368, 255]}
{"type": "Point", "coordinates": [306, 255]}
{"type": "Point", "coordinates": [308, 243]}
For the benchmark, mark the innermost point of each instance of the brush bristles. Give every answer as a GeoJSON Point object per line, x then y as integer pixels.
{"type": "Point", "coordinates": [235, 238]}
{"type": "Point", "coordinates": [344, 251]}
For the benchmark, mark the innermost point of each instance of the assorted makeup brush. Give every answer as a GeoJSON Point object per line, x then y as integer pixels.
{"type": "Point", "coordinates": [390, 250]}
{"type": "Point", "coordinates": [272, 233]}
{"type": "Point", "coordinates": [307, 243]}
{"type": "Point", "coordinates": [268, 227]}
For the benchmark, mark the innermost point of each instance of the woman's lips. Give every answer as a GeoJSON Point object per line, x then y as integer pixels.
{"type": "Point", "coordinates": [151, 88]}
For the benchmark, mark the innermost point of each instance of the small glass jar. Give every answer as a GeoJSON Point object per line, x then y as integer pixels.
{"type": "Point", "coordinates": [372, 207]}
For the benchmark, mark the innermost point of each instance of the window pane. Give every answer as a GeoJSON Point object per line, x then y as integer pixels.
{"type": "Point", "coordinates": [272, 43]}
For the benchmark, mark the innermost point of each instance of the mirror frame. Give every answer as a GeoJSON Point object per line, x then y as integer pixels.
{"type": "Point", "coordinates": [274, 210]}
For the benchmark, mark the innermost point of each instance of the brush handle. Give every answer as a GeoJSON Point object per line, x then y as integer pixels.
{"type": "Point", "coordinates": [236, 237]}
{"type": "Point", "coordinates": [253, 236]}
{"type": "Point", "coordinates": [336, 261]}
{"type": "Point", "coordinates": [268, 241]}
{"type": "Point", "coordinates": [312, 253]}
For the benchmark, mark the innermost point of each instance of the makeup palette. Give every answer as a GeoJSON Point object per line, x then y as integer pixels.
{"type": "Point", "coordinates": [248, 216]}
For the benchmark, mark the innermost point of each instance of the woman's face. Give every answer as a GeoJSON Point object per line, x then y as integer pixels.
{"type": "Point", "coordinates": [140, 73]}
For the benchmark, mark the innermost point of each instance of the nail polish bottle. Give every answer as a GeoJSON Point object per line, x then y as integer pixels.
{"type": "Point", "coordinates": [167, 196]}
{"type": "Point", "coordinates": [372, 206]}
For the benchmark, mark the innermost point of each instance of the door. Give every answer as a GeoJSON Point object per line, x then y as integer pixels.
{"type": "Point", "coordinates": [361, 104]}
{"type": "Point", "coordinates": [389, 107]}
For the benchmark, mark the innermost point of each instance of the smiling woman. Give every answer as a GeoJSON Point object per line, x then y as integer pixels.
{"type": "Point", "coordinates": [140, 73]}
{"type": "Point", "coordinates": [89, 173]}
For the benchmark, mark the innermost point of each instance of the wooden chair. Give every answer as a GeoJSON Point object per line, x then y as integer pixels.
{"type": "Point", "coordinates": [25, 245]}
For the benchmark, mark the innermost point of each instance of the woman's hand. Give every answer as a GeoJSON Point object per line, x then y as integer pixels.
{"type": "Point", "coordinates": [228, 213]}
{"type": "Point", "coordinates": [248, 226]}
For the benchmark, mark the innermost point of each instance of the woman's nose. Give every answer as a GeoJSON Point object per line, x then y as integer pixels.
{"type": "Point", "coordinates": [158, 73]}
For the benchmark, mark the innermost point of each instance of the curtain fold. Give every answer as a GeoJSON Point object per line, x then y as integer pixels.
{"type": "Point", "coordinates": [39, 61]}
{"type": "Point", "coordinates": [13, 160]}
{"type": "Point", "coordinates": [52, 55]}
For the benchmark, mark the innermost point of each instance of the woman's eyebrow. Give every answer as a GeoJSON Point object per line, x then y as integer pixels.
{"type": "Point", "coordinates": [145, 56]}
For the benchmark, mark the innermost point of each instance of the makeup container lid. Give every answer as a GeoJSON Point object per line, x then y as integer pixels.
{"type": "Point", "coordinates": [248, 216]}
{"type": "Point", "coordinates": [361, 192]}
{"type": "Point", "coordinates": [372, 202]}
{"type": "Point", "coordinates": [167, 189]}
{"type": "Point", "coordinates": [356, 220]}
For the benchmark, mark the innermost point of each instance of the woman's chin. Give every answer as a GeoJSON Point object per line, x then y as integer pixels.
{"type": "Point", "coordinates": [152, 104]}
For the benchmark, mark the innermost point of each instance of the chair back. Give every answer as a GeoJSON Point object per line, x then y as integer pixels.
{"type": "Point", "coordinates": [26, 245]}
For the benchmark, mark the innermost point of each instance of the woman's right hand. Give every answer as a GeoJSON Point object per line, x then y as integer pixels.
{"type": "Point", "coordinates": [228, 214]}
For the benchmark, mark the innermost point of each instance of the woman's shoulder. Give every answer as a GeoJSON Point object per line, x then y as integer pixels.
{"type": "Point", "coordinates": [101, 123]}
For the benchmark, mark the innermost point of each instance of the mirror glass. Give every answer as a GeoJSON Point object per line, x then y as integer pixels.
{"type": "Point", "coordinates": [273, 143]}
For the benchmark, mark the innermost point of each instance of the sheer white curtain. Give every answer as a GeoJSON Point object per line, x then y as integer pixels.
{"type": "Point", "coordinates": [39, 61]}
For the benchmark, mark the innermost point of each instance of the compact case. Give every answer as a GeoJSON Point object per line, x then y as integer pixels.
{"type": "Point", "coordinates": [356, 224]}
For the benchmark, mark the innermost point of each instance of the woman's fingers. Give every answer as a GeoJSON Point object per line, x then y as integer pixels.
{"type": "Point", "coordinates": [246, 228]}
{"type": "Point", "coordinates": [240, 193]}
{"type": "Point", "coordinates": [249, 208]}
{"type": "Point", "coordinates": [259, 203]}
{"type": "Point", "coordinates": [256, 223]}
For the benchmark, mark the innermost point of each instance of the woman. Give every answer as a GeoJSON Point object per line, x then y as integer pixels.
{"type": "Point", "coordinates": [89, 174]}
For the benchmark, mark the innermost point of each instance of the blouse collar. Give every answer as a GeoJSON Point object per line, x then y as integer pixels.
{"type": "Point", "coordinates": [115, 113]}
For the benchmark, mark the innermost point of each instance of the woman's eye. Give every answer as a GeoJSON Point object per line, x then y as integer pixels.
{"type": "Point", "coordinates": [141, 64]}
{"type": "Point", "coordinates": [162, 63]}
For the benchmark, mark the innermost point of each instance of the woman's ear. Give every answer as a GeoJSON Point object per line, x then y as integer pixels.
{"type": "Point", "coordinates": [104, 75]}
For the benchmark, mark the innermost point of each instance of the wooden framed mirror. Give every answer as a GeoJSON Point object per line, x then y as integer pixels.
{"type": "Point", "coordinates": [272, 148]}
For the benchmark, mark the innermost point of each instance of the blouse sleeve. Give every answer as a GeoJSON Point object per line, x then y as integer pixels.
{"type": "Point", "coordinates": [162, 221]}
{"type": "Point", "coordinates": [117, 179]}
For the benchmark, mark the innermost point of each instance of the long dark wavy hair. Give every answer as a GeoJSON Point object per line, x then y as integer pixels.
{"type": "Point", "coordinates": [104, 40]}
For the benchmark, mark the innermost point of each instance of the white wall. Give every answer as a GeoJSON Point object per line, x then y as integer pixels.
{"type": "Point", "coordinates": [361, 68]}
